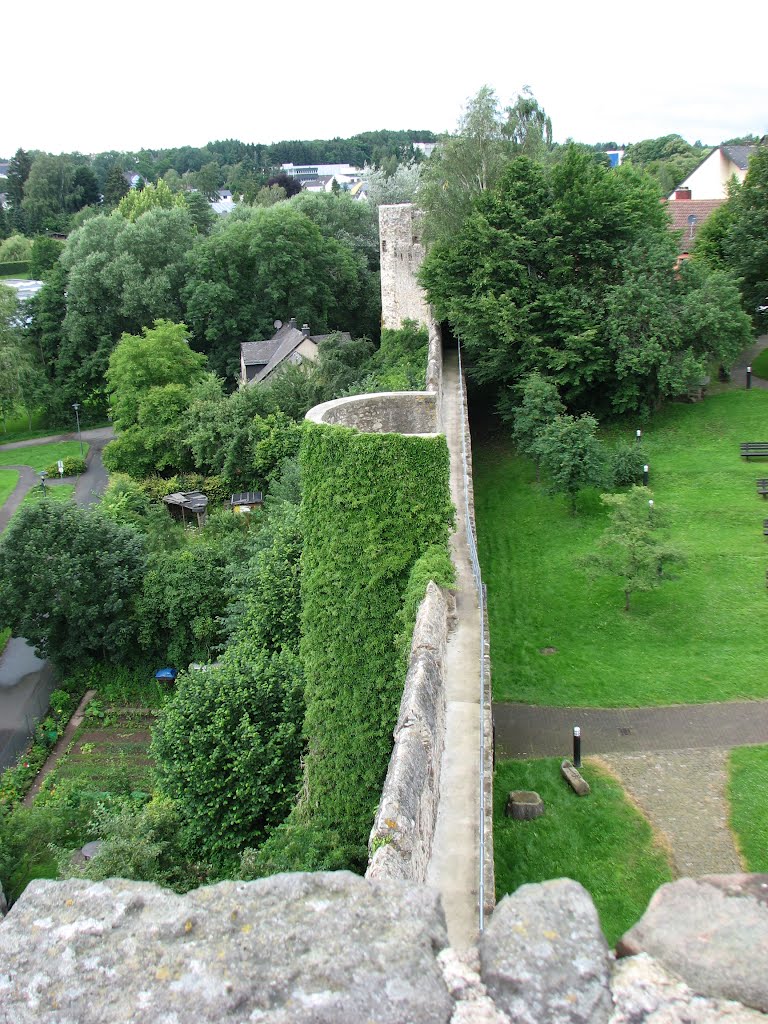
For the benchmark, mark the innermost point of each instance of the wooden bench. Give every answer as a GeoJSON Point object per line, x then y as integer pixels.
{"type": "Point", "coordinates": [762, 488]}
{"type": "Point", "coordinates": [754, 450]}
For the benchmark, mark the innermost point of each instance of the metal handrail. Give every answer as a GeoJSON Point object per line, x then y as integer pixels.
{"type": "Point", "coordinates": [472, 544]}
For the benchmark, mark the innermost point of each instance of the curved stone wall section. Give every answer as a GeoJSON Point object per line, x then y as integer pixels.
{"type": "Point", "coordinates": [400, 845]}
{"type": "Point", "coordinates": [385, 412]}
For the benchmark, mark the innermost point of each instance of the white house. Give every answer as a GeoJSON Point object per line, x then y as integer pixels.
{"type": "Point", "coordinates": [711, 177]}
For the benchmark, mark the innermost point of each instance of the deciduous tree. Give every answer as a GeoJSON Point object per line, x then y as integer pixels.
{"type": "Point", "coordinates": [631, 547]}
{"type": "Point", "coordinates": [78, 602]}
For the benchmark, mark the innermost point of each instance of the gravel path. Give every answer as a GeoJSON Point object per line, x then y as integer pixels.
{"type": "Point", "coordinates": [683, 795]}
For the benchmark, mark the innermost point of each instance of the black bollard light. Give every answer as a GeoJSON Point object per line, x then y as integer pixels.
{"type": "Point", "coordinates": [576, 747]}
{"type": "Point", "coordinates": [749, 377]}
{"type": "Point", "coordinates": [639, 435]}
{"type": "Point", "coordinates": [645, 475]}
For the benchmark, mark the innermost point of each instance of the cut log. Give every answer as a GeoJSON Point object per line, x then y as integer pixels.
{"type": "Point", "coordinates": [523, 805]}
{"type": "Point", "coordinates": [573, 777]}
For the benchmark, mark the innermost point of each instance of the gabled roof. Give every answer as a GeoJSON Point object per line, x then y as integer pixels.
{"type": "Point", "coordinates": [255, 352]}
{"type": "Point", "coordinates": [681, 212]}
{"type": "Point", "coordinates": [289, 340]}
{"type": "Point", "coordinates": [739, 155]}
{"type": "Point", "coordinates": [269, 354]}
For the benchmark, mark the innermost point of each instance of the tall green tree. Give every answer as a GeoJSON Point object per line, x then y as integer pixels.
{"type": "Point", "coordinates": [18, 172]}
{"type": "Point", "coordinates": [115, 186]}
{"type": "Point", "coordinates": [746, 241]}
{"type": "Point", "coordinates": [472, 159]}
{"type": "Point", "coordinates": [274, 264]}
{"type": "Point", "coordinates": [78, 603]}
{"type": "Point", "coordinates": [160, 355]}
{"type": "Point", "coordinates": [84, 189]}
{"type": "Point", "coordinates": [120, 276]}
{"type": "Point", "coordinates": [21, 377]}
{"type": "Point", "coordinates": [569, 270]}
{"type": "Point", "coordinates": [48, 193]}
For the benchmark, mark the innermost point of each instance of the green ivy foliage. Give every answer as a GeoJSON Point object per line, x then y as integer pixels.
{"type": "Point", "coordinates": [372, 505]}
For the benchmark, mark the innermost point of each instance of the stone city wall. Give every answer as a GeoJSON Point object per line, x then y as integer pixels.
{"type": "Point", "coordinates": [400, 845]}
{"type": "Point", "coordinates": [334, 948]}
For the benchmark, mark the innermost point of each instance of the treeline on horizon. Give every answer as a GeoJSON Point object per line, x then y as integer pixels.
{"type": "Point", "coordinates": [379, 148]}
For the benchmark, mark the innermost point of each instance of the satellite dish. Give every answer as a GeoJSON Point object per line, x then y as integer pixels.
{"type": "Point", "coordinates": [278, 324]}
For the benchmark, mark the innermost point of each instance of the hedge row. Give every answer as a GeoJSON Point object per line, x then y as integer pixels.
{"type": "Point", "coordinates": [14, 268]}
{"type": "Point", "coordinates": [372, 506]}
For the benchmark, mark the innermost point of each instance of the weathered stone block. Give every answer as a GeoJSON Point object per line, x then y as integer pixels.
{"type": "Point", "coordinates": [643, 991]}
{"type": "Point", "coordinates": [712, 932]}
{"type": "Point", "coordinates": [329, 948]}
{"type": "Point", "coordinates": [544, 959]}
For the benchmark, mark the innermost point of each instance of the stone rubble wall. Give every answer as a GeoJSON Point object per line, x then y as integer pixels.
{"type": "Point", "coordinates": [400, 845]}
{"type": "Point", "coordinates": [402, 252]}
{"type": "Point", "coordinates": [334, 948]}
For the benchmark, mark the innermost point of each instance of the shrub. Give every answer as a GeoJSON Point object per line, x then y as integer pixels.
{"type": "Point", "coordinates": [73, 466]}
{"type": "Point", "coordinates": [228, 746]}
{"type": "Point", "coordinates": [627, 461]}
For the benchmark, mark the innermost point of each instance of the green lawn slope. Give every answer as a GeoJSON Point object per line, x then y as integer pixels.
{"type": "Point", "coordinates": [698, 637]}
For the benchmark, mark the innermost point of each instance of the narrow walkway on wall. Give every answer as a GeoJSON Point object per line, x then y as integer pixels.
{"type": "Point", "coordinates": [454, 866]}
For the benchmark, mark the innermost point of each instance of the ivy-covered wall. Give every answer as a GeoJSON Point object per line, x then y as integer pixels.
{"type": "Point", "coordinates": [372, 505]}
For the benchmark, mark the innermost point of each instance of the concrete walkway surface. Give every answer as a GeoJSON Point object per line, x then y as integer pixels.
{"type": "Point", "coordinates": [454, 867]}
{"type": "Point", "coordinates": [525, 731]}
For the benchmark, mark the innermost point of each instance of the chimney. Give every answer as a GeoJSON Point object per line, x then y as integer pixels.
{"type": "Point", "coordinates": [292, 322]}
{"type": "Point", "coordinates": [682, 193]}
{"type": "Point", "coordinates": [305, 330]}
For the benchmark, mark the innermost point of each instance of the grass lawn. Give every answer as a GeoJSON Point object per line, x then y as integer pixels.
{"type": "Point", "coordinates": [599, 840]}
{"type": "Point", "coordinates": [62, 492]}
{"type": "Point", "coordinates": [692, 640]}
{"type": "Point", "coordinates": [8, 480]}
{"type": "Point", "coordinates": [41, 456]}
{"type": "Point", "coordinates": [748, 786]}
{"type": "Point", "coordinates": [760, 365]}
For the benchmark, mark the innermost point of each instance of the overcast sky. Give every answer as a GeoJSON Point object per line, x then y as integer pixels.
{"type": "Point", "coordinates": [89, 76]}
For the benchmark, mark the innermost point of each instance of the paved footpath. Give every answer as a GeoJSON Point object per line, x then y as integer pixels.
{"type": "Point", "coordinates": [673, 761]}
{"type": "Point", "coordinates": [88, 487]}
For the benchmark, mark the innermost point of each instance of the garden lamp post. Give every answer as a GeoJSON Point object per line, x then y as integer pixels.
{"type": "Point", "coordinates": [76, 407]}
{"type": "Point", "coordinates": [43, 475]}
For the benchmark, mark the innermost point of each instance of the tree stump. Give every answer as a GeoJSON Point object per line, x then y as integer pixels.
{"type": "Point", "coordinates": [523, 805]}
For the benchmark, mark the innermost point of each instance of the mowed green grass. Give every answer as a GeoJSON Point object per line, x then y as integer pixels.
{"type": "Point", "coordinates": [61, 492]}
{"type": "Point", "coordinates": [695, 639]}
{"type": "Point", "coordinates": [748, 793]}
{"type": "Point", "coordinates": [8, 480]}
{"type": "Point", "coordinates": [599, 840]}
{"type": "Point", "coordinates": [41, 456]}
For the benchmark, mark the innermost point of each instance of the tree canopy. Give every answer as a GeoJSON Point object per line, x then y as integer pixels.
{"type": "Point", "coordinates": [569, 270]}
{"type": "Point", "coordinates": [78, 602]}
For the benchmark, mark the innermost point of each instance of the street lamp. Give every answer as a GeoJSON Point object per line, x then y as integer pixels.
{"type": "Point", "coordinates": [43, 475]}
{"type": "Point", "coordinates": [76, 407]}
